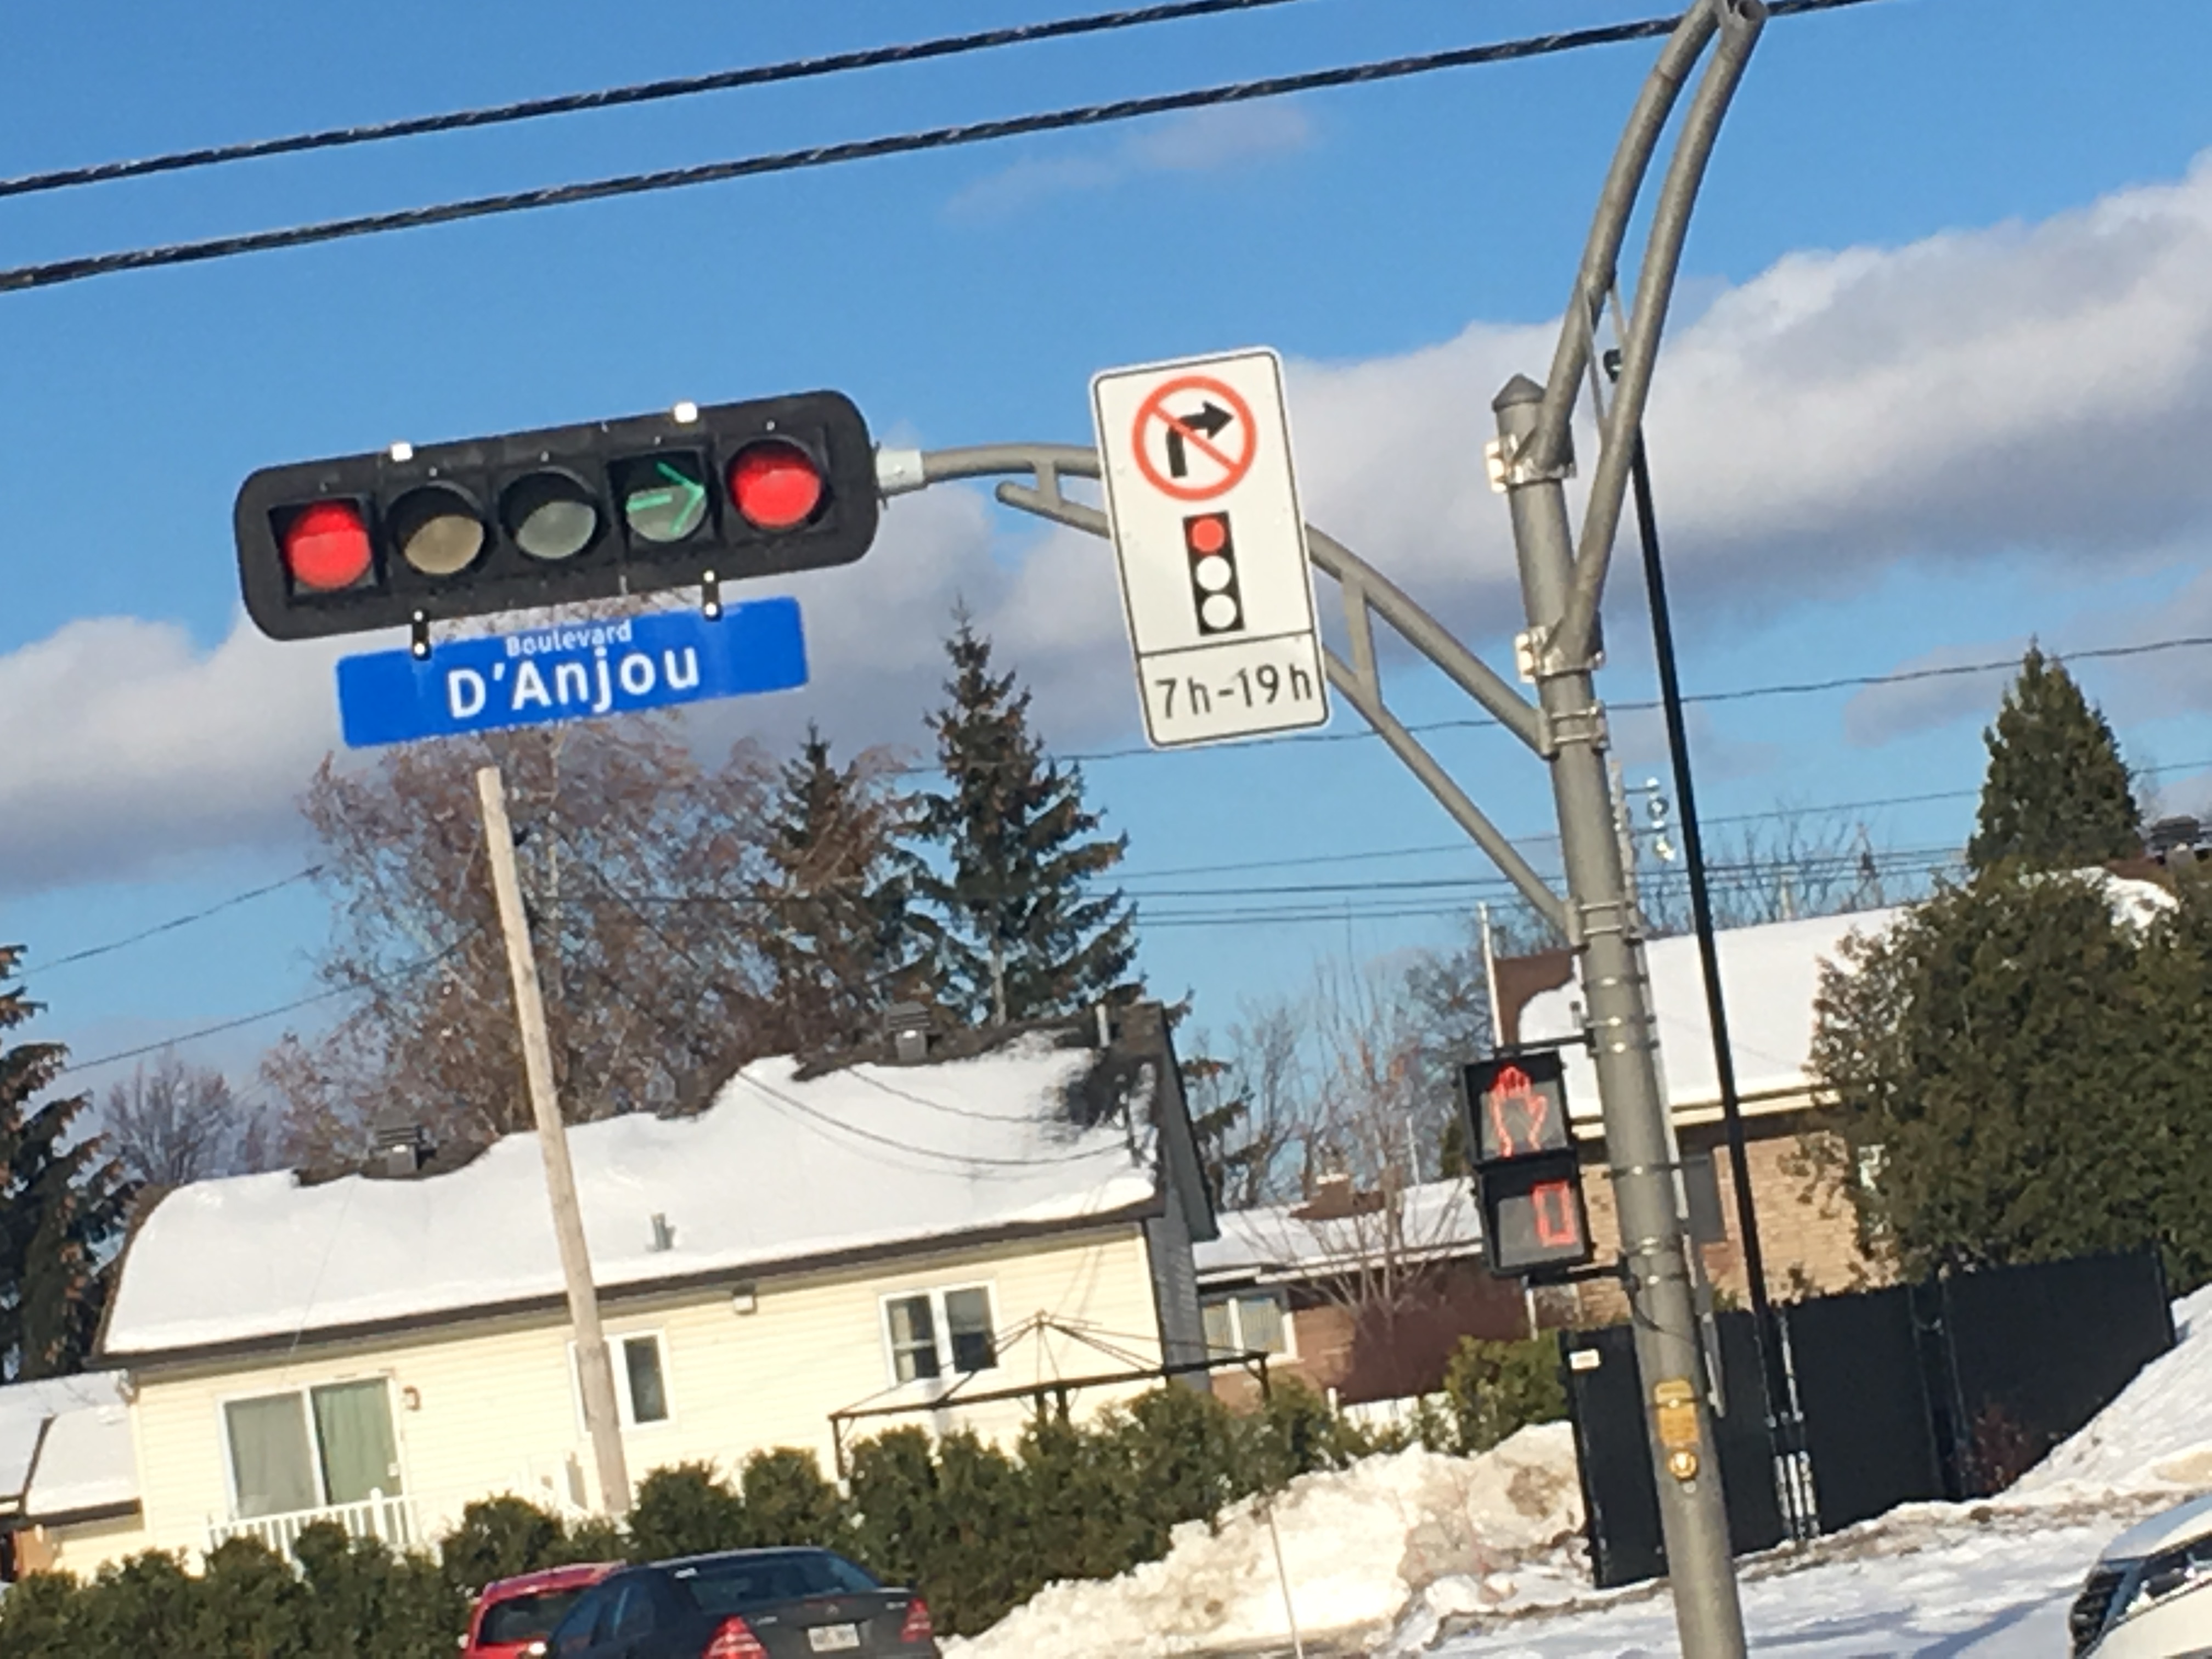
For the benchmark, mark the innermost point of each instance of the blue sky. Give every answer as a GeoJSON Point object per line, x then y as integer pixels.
{"type": "Point", "coordinates": [1937, 384]}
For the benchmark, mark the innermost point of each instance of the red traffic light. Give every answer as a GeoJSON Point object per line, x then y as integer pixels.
{"type": "Point", "coordinates": [774, 484]}
{"type": "Point", "coordinates": [326, 546]}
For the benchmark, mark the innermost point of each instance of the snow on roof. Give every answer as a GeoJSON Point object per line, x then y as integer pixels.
{"type": "Point", "coordinates": [1437, 1218]}
{"type": "Point", "coordinates": [87, 1463]}
{"type": "Point", "coordinates": [775, 1169]}
{"type": "Point", "coordinates": [1769, 975]}
{"type": "Point", "coordinates": [30, 1415]}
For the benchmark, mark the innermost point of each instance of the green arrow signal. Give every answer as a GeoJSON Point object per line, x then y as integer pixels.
{"type": "Point", "coordinates": [668, 514]}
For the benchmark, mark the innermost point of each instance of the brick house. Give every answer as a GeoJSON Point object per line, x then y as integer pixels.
{"type": "Point", "coordinates": [1769, 976]}
{"type": "Point", "coordinates": [1362, 1295]}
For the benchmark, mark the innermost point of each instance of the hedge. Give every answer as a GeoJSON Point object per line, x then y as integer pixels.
{"type": "Point", "coordinates": [976, 1528]}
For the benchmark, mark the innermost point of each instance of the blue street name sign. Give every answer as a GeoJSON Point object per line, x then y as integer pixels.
{"type": "Point", "coordinates": [570, 672]}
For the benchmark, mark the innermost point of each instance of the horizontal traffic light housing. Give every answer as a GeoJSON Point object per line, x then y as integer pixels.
{"type": "Point", "coordinates": [722, 492]}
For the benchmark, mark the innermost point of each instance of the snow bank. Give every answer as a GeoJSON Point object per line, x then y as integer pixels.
{"type": "Point", "coordinates": [1355, 1545]}
{"type": "Point", "coordinates": [2157, 1434]}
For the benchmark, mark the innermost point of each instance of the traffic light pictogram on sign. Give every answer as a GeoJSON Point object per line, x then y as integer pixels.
{"type": "Point", "coordinates": [1215, 593]}
{"type": "Point", "coordinates": [697, 496]}
{"type": "Point", "coordinates": [1528, 1173]}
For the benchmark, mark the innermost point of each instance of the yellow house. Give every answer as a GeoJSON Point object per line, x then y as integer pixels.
{"type": "Point", "coordinates": [384, 1348]}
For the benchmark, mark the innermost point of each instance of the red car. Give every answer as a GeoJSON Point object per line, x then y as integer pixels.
{"type": "Point", "coordinates": [515, 1615]}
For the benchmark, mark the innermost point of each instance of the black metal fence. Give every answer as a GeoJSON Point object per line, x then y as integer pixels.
{"type": "Point", "coordinates": [1947, 1389]}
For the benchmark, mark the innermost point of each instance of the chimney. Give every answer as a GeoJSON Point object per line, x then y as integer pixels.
{"type": "Point", "coordinates": [1331, 1199]}
{"type": "Point", "coordinates": [909, 1025]}
{"type": "Point", "coordinates": [402, 1147]}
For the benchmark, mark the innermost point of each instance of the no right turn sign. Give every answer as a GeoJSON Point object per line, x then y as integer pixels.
{"type": "Point", "coordinates": [1207, 532]}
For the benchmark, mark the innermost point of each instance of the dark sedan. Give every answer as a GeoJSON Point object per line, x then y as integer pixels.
{"type": "Point", "coordinates": [745, 1604]}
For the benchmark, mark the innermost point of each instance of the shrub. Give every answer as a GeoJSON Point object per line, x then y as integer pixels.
{"type": "Point", "coordinates": [684, 1510]}
{"type": "Point", "coordinates": [40, 1618]}
{"type": "Point", "coordinates": [788, 1500]}
{"type": "Point", "coordinates": [894, 1495]}
{"type": "Point", "coordinates": [1496, 1387]}
{"type": "Point", "coordinates": [250, 1606]}
{"type": "Point", "coordinates": [499, 1538]}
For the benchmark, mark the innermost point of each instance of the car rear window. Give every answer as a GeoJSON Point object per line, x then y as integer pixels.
{"type": "Point", "coordinates": [753, 1581]}
{"type": "Point", "coordinates": [527, 1618]}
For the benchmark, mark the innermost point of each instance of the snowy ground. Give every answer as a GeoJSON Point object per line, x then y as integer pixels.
{"type": "Point", "coordinates": [1455, 1558]}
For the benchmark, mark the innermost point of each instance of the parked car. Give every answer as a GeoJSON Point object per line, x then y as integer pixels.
{"type": "Point", "coordinates": [2149, 1596]}
{"type": "Point", "coordinates": [513, 1614]}
{"type": "Point", "coordinates": [745, 1604]}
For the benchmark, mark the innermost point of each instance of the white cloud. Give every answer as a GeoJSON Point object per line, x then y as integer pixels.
{"type": "Point", "coordinates": [145, 750]}
{"type": "Point", "coordinates": [2040, 390]}
{"type": "Point", "coordinates": [1200, 141]}
{"type": "Point", "coordinates": [1882, 713]}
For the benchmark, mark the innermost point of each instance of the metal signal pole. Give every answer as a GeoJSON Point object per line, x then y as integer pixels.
{"type": "Point", "coordinates": [1562, 584]}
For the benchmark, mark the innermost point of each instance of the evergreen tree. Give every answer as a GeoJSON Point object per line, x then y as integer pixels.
{"type": "Point", "coordinates": [2018, 1076]}
{"type": "Point", "coordinates": [2056, 796]}
{"type": "Point", "coordinates": [1024, 933]}
{"type": "Point", "coordinates": [62, 1201]}
{"type": "Point", "coordinates": [842, 936]}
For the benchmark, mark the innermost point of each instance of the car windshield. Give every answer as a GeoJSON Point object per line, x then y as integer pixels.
{"type": "Point", "coordinates": [736, 1583]}
{"type": "Point", "coordinates": [527, 1618]}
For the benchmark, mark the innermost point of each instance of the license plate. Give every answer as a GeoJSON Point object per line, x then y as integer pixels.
{"type": "Point", "coordinates": [834, 1638]}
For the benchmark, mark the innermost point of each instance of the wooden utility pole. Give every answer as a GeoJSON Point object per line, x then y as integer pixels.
{"type": "Point", "coordinates": [593, 1365]}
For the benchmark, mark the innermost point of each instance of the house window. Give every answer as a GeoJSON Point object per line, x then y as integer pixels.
{"type": "Point", "coordinates": [640, 1379]}
{"type": "Point", "coordinates": [930, 1333]}
{"type": "Point", "coordinates": [1252, 1322]}
{"type": "Point", "coordinates": [312, 1448]}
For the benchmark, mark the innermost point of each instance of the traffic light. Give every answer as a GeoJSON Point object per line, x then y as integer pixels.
{"type": "Point", "coordinates": [1214, 590]}
{"type": "Point", "coordinates": [1529, 1176]}
{"type": "Point", "coordinates": [694, 497]}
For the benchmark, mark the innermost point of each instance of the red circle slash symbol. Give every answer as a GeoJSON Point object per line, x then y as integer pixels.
{"type": "Point", "coordinates": [1202, 430]}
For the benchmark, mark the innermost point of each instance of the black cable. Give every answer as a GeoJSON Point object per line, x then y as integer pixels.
{"type": "Point", "coordinates": [531, 109]}
{"type": "Point", "coordinates": [216, 1029]}
{"type": "Point", "coordinates": [1741, 693]}
{"type": "Point", "coordinates": [776, 1097]}
{"type": "Point", "coordinates": [22, 278]}
{"type": "Point", "coordinates": [175, 922]}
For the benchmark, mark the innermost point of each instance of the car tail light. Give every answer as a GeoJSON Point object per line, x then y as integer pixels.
{"type": "Point", "coordinates": [735, 1640]}
{"type": "Point", "coordinates": [917, 1627]}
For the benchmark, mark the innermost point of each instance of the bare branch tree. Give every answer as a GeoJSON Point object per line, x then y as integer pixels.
{"type": "Point", "coordinates": [174, 1123]}
{"type": "Point", "coordinates": [1789, 865]}
{"type": "Point", "coordinates": [641, 871]}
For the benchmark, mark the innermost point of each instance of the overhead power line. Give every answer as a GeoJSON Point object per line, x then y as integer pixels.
{"type": "Point", "coordinates": [1740, 694]}
{"type": "Point", "coordinates": [184, 920]}
{"type": "Point", "coordinates": [368, 982]}
{"type": "Point", "coordinates": [1436, 850]}
{"type": "Point", "coordinates": [647, 92]}
{"type": "Point", "coordinates": [23, 277]}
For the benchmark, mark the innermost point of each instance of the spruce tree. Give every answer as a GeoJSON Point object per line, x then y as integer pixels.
{"type": "Point", "coordinates": [2011, 1069]}
{"type": "Point", "coordinates": [2056, 796]}
{"type": "Point", "coordinates": [841, 938]}
{"type": "Point", "coordinates": [63, 1202]}
{"type": "Point", "coordinates": [1025, 932]}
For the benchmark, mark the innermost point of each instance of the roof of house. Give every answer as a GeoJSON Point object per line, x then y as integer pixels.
{"type": "Point", "coordinates": [1769, 977]}
{"type": "Point", "coordinates": [1273, 1242]}
{"type": "Point", "coordinates": [65, 1447]}
{"type": "Point", "coordinates": [778, 1170]}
